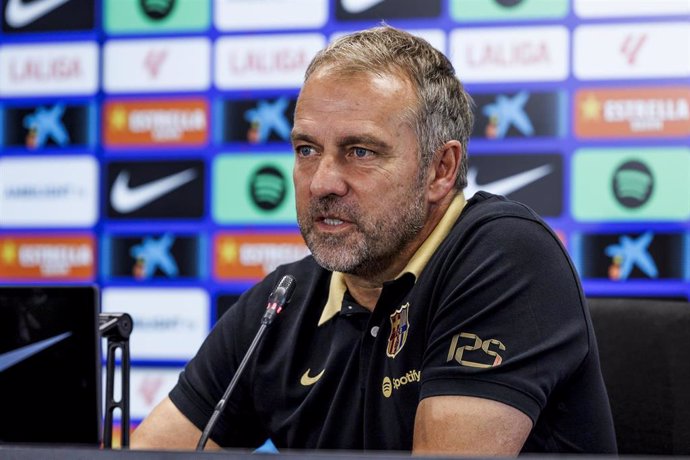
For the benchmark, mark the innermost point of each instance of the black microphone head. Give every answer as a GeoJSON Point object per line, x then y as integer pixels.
{"type": "Point", "coordinates": [286, 287]}
{"type": "Point", "coordinates": [279, 298]}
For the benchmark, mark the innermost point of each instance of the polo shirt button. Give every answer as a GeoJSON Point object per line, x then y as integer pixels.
{"type": "Point", "coordinates": [374, 331]}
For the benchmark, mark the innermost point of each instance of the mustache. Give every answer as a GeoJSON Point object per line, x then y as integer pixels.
{"type": "Point", "coordinates": [333, 206]}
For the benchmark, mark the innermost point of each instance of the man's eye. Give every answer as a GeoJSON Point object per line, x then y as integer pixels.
{"type": "Point", "coordinates": [304, 150]}
{"type": "Point", "coordinates": [361, 152]}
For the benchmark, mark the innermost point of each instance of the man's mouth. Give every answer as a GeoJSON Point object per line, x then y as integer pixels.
{"type": "Point", "coordinates": [332, 221]}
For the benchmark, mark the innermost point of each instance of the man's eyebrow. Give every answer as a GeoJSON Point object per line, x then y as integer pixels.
{"type": "Point", "coordinates": [297, 136]}
{"type": "Point", "coordinates": [364, 140]}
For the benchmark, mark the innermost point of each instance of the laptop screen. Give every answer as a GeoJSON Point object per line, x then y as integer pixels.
{"type": "Point", "coordinates": [49, 365]}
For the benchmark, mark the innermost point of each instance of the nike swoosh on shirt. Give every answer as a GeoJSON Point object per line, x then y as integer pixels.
{"type": "Point", "coordinates": [357, 6]}
{"type": "Point", "coordinates": [10, 358]}
{"type": "Point", "coordinates": [125, 199]}
{"type": "Point", "coordinates": [308, 380]}
{"type": "Point", "coordinates": [19, 14]}
{"type": "Point", "coordinates": [507, 185]}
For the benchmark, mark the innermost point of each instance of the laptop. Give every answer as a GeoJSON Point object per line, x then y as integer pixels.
{"type": "Point", "coordinates": [50, 365]}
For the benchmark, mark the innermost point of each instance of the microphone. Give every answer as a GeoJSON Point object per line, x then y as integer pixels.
{"type": "Point", "coordinates": [279, 298]}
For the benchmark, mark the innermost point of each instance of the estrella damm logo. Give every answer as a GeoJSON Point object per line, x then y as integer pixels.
{"type": "Point", "coordinates": [154, 122]}
{"type": "Point", "coordinates": [56, 257]}
{"type": "Point", "coordinates": [632, 112]}
{"type": "Point", "coordinates": [243, 256]}
{"type": "Point", "coordinates": [464, 344]}
{"type": "Point", "coordinates": [400, 324]}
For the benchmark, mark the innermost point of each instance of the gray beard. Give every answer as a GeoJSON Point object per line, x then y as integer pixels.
{"type": "Point", "coordinates": [373, 245]}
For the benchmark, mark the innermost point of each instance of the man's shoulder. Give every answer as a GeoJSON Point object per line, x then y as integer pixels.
{"type": "Point", "coordinates": [504, 220]}
{"type": "Point", "coordinates": [485, 205]}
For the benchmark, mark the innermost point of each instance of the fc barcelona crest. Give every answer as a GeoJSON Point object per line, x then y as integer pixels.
{"type": "Point", "coordinates": [400, 324]}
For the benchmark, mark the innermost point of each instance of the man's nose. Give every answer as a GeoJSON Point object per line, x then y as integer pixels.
{"type": "Point", "coordinates": [329, 177]}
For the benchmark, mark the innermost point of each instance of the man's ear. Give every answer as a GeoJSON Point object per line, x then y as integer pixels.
{"type": "Point", "coordinates": [444, 171]}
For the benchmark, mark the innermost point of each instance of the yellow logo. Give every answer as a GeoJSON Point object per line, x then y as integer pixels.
{"type": "Point", "coordinates": [387, 387]}
{"type": "Point", "coordinates": [308, 380]}
{"type": "Point", "coordinates": [467, 342]}
{"type": "Point", "coordinates": [389, 384]}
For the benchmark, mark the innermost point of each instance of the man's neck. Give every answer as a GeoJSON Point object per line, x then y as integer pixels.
{"type": "Point", "coordinates": [366, 290]}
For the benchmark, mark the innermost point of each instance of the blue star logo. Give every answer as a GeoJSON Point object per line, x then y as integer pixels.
{"type": "Point", "coordinates": [507, 111]}
{"type": "Point", "coordinates": [267, 117]}
{"type": "Point", "coordinates": [152, 254]}
{"type": "Point", "coordinates": [632, 252]}
{"type": "Point", "coordinates": [46, 123]}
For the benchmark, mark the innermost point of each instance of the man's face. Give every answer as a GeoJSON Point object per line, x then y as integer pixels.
{"type": "Point", "coordinates": [360, 203]}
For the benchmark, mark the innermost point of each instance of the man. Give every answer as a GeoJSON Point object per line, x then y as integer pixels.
{"type": "Point", "coordinates": [422, 322]}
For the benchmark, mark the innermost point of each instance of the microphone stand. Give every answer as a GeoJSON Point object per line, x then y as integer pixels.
{"type": "Point", "coordinates": [221, 403]}
{"type": "Point", "coordinates": [116, 327]}
{"type": "Point", "coordinates": [276, 301]}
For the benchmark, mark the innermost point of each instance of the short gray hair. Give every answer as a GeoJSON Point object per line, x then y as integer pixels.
{"type": "Point", "coordinates": [444, 111]}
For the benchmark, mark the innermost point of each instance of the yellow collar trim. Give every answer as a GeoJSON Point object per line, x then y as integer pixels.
{"type": "Point", "coordinates": [415, 265]}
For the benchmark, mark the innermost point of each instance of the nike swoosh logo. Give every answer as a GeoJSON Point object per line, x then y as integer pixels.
{"type": "Point", "coordinates": [125, 199]}
{"type": "Point", "coordinates": [13, 357]}
{"type": "Point", "coordinates": [308, 380]}
{"type": "Point", "coordinates": [507, 185]}
{"type": "Point", "coordinates": [357, 6]}
{"type": "Point", "coordinates": [19, 14]}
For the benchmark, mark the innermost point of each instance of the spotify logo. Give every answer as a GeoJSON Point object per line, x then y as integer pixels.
{"type": "Point", "coordinates": [632, 184]}
{"type": "Point", "coordinates": [387, 387]}
{"type": "Point", "coordinates": [389, 384]}
{"type": "Point", "coordinates": [157, 9]}
{"type": "Point", "coordinates": [268, 188]}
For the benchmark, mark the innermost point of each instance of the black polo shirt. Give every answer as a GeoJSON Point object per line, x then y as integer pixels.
{"type": "Point", "coordinates": [490, 306]}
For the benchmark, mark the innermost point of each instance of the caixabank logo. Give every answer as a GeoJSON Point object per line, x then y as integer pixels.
{"type": "Point", "coordinates": [155, 16]}
{"type": "Point", "coordinates": [533, 179]}
{"type": "Point", "coordinates": [253, 189]}
{"type": "Point", "coordinates": [22, 16]}
{"type": "Point", "coordinates": [520, 114]}
{"type": "Point", "coordinates": [256, 121]}
{"type": "Point", "coordinates": [155, 189]}
{"type": "Point", "coordinates": [631, 184]}
{"type": "Point", "coordinates": [622, 257]}
{"type": "Point", "coordinates": [159, 256]}
{"type": "Point", "coordinates": [54, 125]}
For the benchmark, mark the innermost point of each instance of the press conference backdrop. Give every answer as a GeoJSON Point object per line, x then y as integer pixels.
{"type": "Point", "coordinates": [145, 143]}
